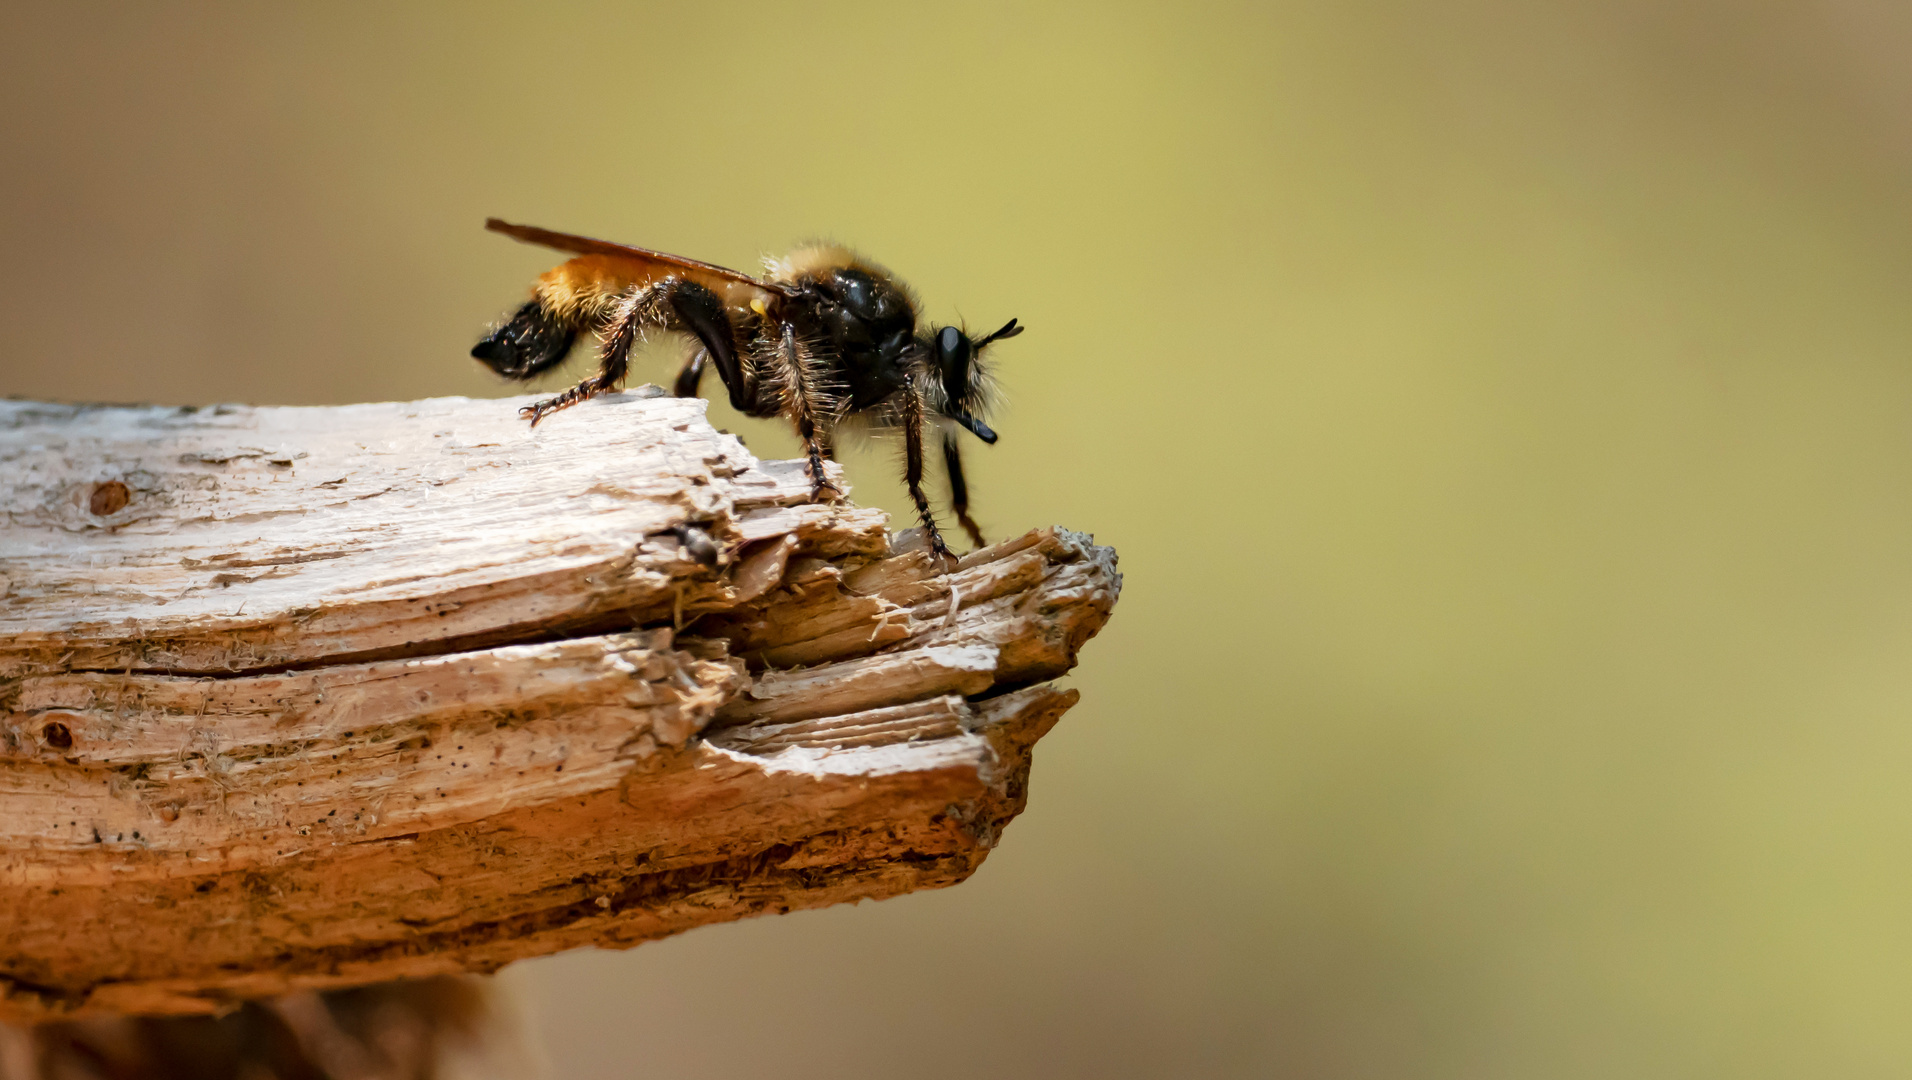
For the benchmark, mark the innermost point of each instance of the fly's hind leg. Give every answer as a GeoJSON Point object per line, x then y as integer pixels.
{"type": "Point", "coordinates": [670, 304]}
{"type": "Point", "coordinates": [632, 312]}
{"type": "Point", "coordinates": [691, 375]}
{"type": "Point", "coordinates": [697, 311]}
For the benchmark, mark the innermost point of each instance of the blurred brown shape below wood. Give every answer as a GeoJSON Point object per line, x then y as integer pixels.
{"type": "Point", "coordinates": [392, 1031]}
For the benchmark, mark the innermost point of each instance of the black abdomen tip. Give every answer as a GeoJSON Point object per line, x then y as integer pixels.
{"type": "Point", "coordinates": [531, 341]}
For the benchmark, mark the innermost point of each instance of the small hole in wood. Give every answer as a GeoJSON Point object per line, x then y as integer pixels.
{"type": "Point", "coordinates": [109, 498]}
{"type": "Point", "coordinates": [57, 735]}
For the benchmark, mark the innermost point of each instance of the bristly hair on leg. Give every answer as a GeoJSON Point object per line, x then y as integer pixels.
{"type": "Point", "coordinates": [805, 402]}
{"type": "Point", "coordinates": [622, 327]}
{"type": "Point", "coordinates": [911, 408]}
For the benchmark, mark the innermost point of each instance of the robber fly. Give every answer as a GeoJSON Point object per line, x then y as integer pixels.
{"type": "Point", "coordinates": [826, 338]}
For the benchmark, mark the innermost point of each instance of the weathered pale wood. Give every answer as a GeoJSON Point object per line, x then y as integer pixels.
{"type": "Point", "coordinates": [305, 698]}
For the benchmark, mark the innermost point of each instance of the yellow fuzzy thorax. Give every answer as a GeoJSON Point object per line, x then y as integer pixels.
{"type": "Point", "coordinates": [816, 260]}
{"type": "Point", "coordinates": [813, 260]}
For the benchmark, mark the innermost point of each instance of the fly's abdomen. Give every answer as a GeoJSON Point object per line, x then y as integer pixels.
{"type": "Point", "coordinates": [533, 340]}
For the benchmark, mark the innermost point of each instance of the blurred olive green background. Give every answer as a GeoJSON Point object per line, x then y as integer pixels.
{"type": "Point", "coordinates": [1502, 411]}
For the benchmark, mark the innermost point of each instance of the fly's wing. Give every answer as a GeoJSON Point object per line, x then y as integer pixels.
{"type": "Point", "coordinates": [584, 245]}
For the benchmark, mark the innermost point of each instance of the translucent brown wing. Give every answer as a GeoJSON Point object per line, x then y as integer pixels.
{"type": "Point", "coordinates": [584, 245]}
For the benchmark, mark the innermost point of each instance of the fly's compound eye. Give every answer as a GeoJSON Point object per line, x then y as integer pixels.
{"type": "Point", "coordinates": [949, 345]}
{"type": "Point", "coordinates": [952, 361]}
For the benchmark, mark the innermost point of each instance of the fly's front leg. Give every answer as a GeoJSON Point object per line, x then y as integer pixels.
{"type": "Point", "coordinates": [912, 407]}
{"type": "Point", "coordinates": [959, 488]}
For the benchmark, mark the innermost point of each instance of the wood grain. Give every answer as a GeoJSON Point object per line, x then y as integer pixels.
{"type": "Point", "coordinates": [297, 698]}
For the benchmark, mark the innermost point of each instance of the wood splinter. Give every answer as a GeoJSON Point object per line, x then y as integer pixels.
{"type": "Point", "coordinates": [306, 698]}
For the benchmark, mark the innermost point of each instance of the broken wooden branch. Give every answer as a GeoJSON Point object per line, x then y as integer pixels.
{"type": "Point", "coordinates": [298, 698]}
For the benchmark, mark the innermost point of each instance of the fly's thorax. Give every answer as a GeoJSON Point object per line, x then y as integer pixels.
{"type": "Point", "coordinates": [863, 324]}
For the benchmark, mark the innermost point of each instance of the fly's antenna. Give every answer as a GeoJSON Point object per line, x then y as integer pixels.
{"type": "Point", "coordinates": [1009, 330]}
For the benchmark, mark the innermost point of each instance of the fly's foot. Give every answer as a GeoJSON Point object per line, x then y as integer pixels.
{"type": "Point", "coordinates": [820, 483]}
{"type": "Point", "coordinates": [939, 552]}
{"type": "Point", "coordinates": [583, 391]}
